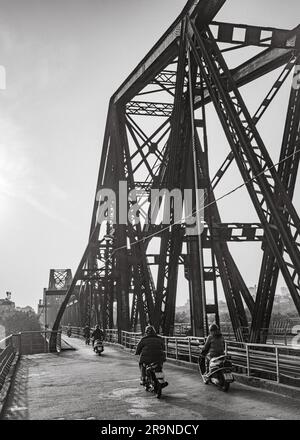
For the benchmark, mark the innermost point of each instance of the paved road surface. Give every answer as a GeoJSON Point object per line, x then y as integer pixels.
{"type": "Point", "coordinates": [80, 385]}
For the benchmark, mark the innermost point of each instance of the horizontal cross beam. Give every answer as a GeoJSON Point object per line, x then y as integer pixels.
{"type": "Point", "coordinates": [223, 232]}
{"type": "Point", "coordinates": [144, 108]}
{"type": "Point", "coordinates": [254, 35]}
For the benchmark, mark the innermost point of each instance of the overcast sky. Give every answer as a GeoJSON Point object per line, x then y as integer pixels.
{"type": "Point", "coordinates": [63, 60]}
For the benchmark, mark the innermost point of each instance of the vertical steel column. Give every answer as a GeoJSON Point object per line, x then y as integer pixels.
{"type": "Point", "coordinates": [121, 257]}
{"type": "Point", "coordinates": [171, 241]}
{"type": "Point", "coordinates": [287, 171]}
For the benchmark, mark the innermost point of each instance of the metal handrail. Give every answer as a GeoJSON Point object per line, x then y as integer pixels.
{"type": "Point", "coordinates": [23, 343]}
{"type": "Point", "coordinates": [7, 356]}
{"type": "Point", "coordinates": [272, 361]}
{"type": "Point", "coordinates": [275, 362]}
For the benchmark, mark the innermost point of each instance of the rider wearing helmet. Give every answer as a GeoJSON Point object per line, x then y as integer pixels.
{"type": "Point", "coordinates": [151, 350]}
{"type": "Point", "coordinates": [214, 345]}
{"type": "Point", "coordinates": [97, 334]}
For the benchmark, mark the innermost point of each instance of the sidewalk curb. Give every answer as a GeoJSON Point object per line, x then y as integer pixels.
{"type": "Point", "coordinates": [253, 382]}
{"type": "Point", "coordinates": [267, 385]}
{"type": "Point", "coordinates": [8, 383]}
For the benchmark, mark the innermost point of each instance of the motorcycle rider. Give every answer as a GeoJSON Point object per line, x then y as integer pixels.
{"type": "Point", "coordinates": [87, 333]}
{"type": "Point", "coordinates": [214, 345]}
{"type": "Point", "coordinates": [151, 350]}
{"type": "Point", "coordinates": [97, 334]}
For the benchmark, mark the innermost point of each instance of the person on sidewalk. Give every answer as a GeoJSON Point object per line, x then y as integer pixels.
{"type": "Point", "coordinates": [87, 334]}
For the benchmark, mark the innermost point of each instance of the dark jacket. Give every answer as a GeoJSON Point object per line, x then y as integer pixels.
{"type": "Point", "coordinates": [214, 346]}
{"type": "Point", "coordinates": [151, 349]}
{"type": "Point", "coordinates": [98, 334]}
{"type": "Point", "coordinates": [86, 332]}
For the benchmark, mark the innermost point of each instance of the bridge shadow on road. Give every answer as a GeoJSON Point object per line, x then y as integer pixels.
{"type": "Point", "coordinates": [16, 407]}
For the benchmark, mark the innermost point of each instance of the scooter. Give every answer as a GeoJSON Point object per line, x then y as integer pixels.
{"type": "Point", "coordinates": [155, 379]}
{"type": "Point", "coordinates": [219, 373]}
{"type": "Point", "coordinates": [98, 347]}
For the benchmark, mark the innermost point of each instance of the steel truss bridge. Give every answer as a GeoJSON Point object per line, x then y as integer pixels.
{"type": "Point", "coordinates": [156, 137]}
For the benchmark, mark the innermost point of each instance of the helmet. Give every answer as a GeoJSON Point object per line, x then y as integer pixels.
{"type": "Point", "coordinates": [213, 328]}
{"type": "Point", "coordinates": [150, 330]}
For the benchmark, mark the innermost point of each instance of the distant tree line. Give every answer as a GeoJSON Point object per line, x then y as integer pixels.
{"type": "Point", "coordinates": [17, 321]}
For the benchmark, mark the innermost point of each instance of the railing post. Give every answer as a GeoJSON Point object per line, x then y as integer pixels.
{"type": "Point", "coordinates": [166, 346]}
{"type": "Point", "coordinates": [285, 336]}
{"type": "Point", "coordinates": [226, 348]}
{"type": "Point", "coordinates": [176, 348]}
{"type": "Point", "coordinates": [248, 360]}
{"type": "Point", "coordinates": [277, 365]}
{"type": "Point", "coordinates": [20, 342]}
{"type": "Point", "coordinates": [59, 339]}
{"type": "Point", "coordinates": [190, 351]}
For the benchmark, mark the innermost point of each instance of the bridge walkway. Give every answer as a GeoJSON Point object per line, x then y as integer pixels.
{"type": "Point", "coordinates": [80, 385]}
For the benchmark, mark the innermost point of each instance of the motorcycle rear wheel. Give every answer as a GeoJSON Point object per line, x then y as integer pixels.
{"type": "Point", "coordinates": [224, 386]}
{"type": "Point", "coordinates": [147, 383]}
{"type": "Point", "coordinates": [158, 390]}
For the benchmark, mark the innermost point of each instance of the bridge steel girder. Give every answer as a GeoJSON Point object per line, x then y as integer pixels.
{"type": "Point", "coordinates": [262, 180]}
{"type": "Point", "coordinates": [233, 284]}
{"type": "Point", "coordinates": [287, 171]}
{"type": "Point", "coordinates": [119, 273]}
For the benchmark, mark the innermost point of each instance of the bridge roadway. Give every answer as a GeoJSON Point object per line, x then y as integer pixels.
{"type": "Point", "coordinates": [80, 385]}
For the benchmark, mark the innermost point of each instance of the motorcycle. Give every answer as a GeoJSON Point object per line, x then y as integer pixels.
{"type": "Point", "coordinates": [155, 379]}
{"type": "Point", "coordinates": [87, 340]}
{"type": "Point", "coordinates": [219, 372]}
{"type": "Point", "coordinates": [98, 347]}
